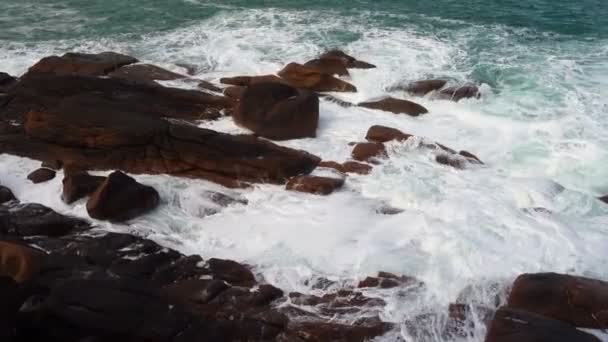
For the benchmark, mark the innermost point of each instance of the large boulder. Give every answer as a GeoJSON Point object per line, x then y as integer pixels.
{"type": "Point", "coordinates": [348, 61]}
{"type": "Point", "coordinates": [328, 66]}
{"type": "Point", "coordinates": [81, 64]}
{"type": "Point", "coordinates": [383, 134]}
{"type": "Point", "coordinates": [77, 185]}
{"type": "Point", "coordinates": [35, 219]}
{"type": "Point", "coordinates": [512, 325]}
{"type": "Point", "coordinates": [6, 81]}
{"type": "Point", "coordinates": [146, 73]}
{"type": "Point", "coordinates": [41, 175]}
{"type": "Point", "coordinates": [579, 301]}
{"type": "Point", "coordinates": [121, 198]}
{"type": "Point", "coordinates": [315, 184]}
{"type": "Point", "coordinates": [396, 106]}
{"type": "Point", "coordinates": [277, 111]}
{"type": "Point", "coordinates": [303, 77]}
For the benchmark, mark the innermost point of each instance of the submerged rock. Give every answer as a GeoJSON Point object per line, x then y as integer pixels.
{"type": "Point", "coordinates": [41, 175]}
{"type": "Point", "coordinates": [459, 93]}
{"type": "Point", "coordinates": [303, 77]}
{"type": "Point", "coordinates": [277, 111]}
{"type": "Point", "coordinates": [421, 88]}
{"type": "Point", "coordinates": [121, 198]}
{"type": "Point", "coordinates": [386, 280]}
{"type": "Point", "coordinates": [315, 185]}
{"type": "Point", "coordinates": [396, 106]}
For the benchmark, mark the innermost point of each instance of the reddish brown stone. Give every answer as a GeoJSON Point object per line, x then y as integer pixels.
{"type": "Point", "coordinates": [146, 73]}
{"type": "Point", "coordinates": [348, 167]}
{"type": "Point", "coordinates": [41, 175]}
{"type": "Point", "coordinates": [369, 151]}
{"type": "Point", "coordinates": [245, 81]}
{"type": "Point", "coordinates": [234, 92]}
{"type": "Point", "coordinates": [315, 185]}
{"type": "Point", "coordinates": [81, 64]}
{"type": "Point", "coordinates": [387, 280]}
{"type": "Point", "coordinates": [396, 106]}
{"type": "Point", "coordinates": [348, 61]}
{"type": "Point", "coordinates": [77, 185]}
{"type": "Point", "coordinates": [209, 86]}
{"type": "Point", "coordinates": [19, 261]}
{"type": "Point", "coordinates": [303, 77]}
{"type": "Point", "coordinates": [384, 134]}
{"type": "Point", "coordinates": [328, 66]}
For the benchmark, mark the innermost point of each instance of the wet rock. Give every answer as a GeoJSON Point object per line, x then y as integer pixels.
{"type": "Point", "coordinates": [512, 325]}
{"type": "Point", "coordinates": [145, 73]}
{"type": "Point", "coordinates": [369, 152]}
{"type": "Point", "coordinates": [190, 69]}
{"type": "Point", "coordinates": [421, 88]}
{"type": "Point", "coordinates": [77, 185]}
{"type": "Point", "coordinates": [6, 195]}
{"type": "Point", "coordinates": [459, 323]}
{"type": "Point", "coordinates": [121, 198]}
{"type": "Point", "coordinates": [451, 160]}
{"type": "Point", "coordinates": [231, 271]}
{"type": "Point", "coordinates": [382, 134]}
{"type": "Point", "coordinates": [396, 106]}
{"type": "Point", "coordinates": [459, 93]}
{"type": "Point", "coordinates": [10, 299]}
{"type": "Point", "coordinates": [19, 262]}
{"type": "Point", "coordinates": [315, 184]}
{"type": "Point", "coordinates": [246, 81]}
{"type": "Point", "coordinates": [348, 61]}
{"type": "Point", "coordinates": [334, 332]}
{"type": "Point", "coordinates": [209, 86]}
{"type": "Point", "coordinates": [339, 102]}
{"type": "Point", "coordinates": [338, 303]}
{"type": "Point", "coordinates": [81, 64]}
{"type": "Point", "coordinates": [386, 280]}
{"type": "Point", "coordinates": [581, 302]}
{"type": "Point", "coordinates": [35, 219]}
{"type": "Point", "coordinates": [225, 200]}
{"type": "Point", "coordinates": [302, 77]}
{"type": "Point", "coordinates": [233, 92]}
{"type": "Point", "coordinates": [348, 167]}
{"type": "Point", "coordinates": [604, 198]}
{"type": "Point", "coordinates": [329, 66]}
{"type": "Point", "coordinates": [52, 164]}
{"type": "Point", "coordinates": [388, 210]}
{"type": "Point", "coordinates": [41, 175]}
{"type": "Point", "coordinates": [6, 81]}
{"type": "Point", "coordinates": [277, 111]}
{"type": "Point", "coordinates": [471, 157]}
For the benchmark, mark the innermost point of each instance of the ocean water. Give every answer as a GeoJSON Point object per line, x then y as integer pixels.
{"type": "Point", "coordinates": [541, 127]}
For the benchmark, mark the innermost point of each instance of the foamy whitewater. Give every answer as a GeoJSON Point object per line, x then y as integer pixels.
{"type": "Point", "coordinates": [541, 128]}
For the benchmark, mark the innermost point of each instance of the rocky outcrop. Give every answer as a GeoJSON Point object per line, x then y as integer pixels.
{"type": "Point", "coordinates": [348, 167]}
{"type": "Point", "coordinates": [458, 93]}
{"type": "Point", "coordinates": [386, 280]}
{"type": "Point", "coordinates": [421, 88]}
{"type": "Point", "coordinates": [145, 73]}
{"type": "Point", "coordinates": [369, 152]}
{"type": "Point", "coordinates": [121, 198]}
{"type": "Point", "coordinates": [6, 82]}
{"type": "Point", "coordinates": [277, 111]}
{"type": "Point", "coordinates": [233, 92]}
{"type": "Point", "coordinates": [25, 220]}
{"type": "Point", "coordinates": [396, 106]}
{"type": "Point", "coordinates": [77, 185]}
{"type": "Point", "coordinates": [303, 77]}
{"type": "Point", "coordinates": [330, 66]}
{"type": "Point", "coordinates": [41, 175]}
{"type": "Point", "coordinates": [348, 61]}
{"type": "Point", "coordinates": [383, 134]}
{"type": "Point", "coordinates": [99, 64]}
{"type": "Point", "coordinates": [315, 184]}
{"type": "Point", "coordinates": [246, 81]}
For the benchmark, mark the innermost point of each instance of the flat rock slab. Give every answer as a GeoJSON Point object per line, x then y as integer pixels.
{"type": "Point", "coordinates": [396, 106]}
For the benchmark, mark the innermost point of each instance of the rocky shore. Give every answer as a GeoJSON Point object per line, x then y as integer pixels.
{"type": "Point", "coordinates": [64, 279]}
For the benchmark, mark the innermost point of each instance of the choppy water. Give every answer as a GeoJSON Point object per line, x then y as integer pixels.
{"type": "Point", "coordinates": [541, 127]}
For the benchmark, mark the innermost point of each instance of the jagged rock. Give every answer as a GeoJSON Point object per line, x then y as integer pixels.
{"type": "Point", "coordinates": [41, 175]}
{"type": "Point", "coordinates": [121, 198]}
{"type": "Point", "coordinates": [315, 184]}
{"type": "Point", "coordinates": [277, 111]}
{"type": "Point", "coordinates": [369, 151]}
{"type": "Point", "coordinates": [77, 185]}
{"type": "Point", "coordinates": [328, 66]}
{"type": "Point", "coordinates": [145, 73]}
{"type": "Point", "coordinates": [348, 61]}
{"type": "Point", "coordinates": [383, 134]}
{"type": "Point", "coordinates": [81, 64]}
{"type": "Point", "coordinates": [459, 93]}
{"type": "Point", "coordinates": [421, 88]}
{"type": "Point", "coordinates": [36, 219]}
{"type": "Point", "coordinates": [396, 106]}
{"type": "Point", "coordinates": [302, 77]}
{"type": "Point", "coordinates": [334, 332]}
{"type": "Point", "coordinates": [231, 271]}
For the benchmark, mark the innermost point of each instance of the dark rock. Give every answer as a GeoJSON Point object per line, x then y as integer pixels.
{"type": "Point", "coordinates": [224, 200]}
{"type": "Point", "coordinates": [451, 160]}
{"type": "Point", "coordinates": [383, 134]}
{"type": "Point", "coordinates": [78, 185]}
{"type": "Point", "coordinates": [52, 164]}
{"type": "Point", "coordinates": [386, 280]}
{"type": "Point", "coordinates": [459, 93]}
{"type": "Point", "coordinates": [121, 198]}
{"type": "Point", "coordinates": [397, 106]}
{"type": "Point", "coordinates": [581, 302]}
{"type": "Point", "coordinates": [328, 66]}
{"type": "Point", "coordinates": [41, 175]}
{"type": "Point", "coordinates": [302, 77]}
{"type": "Point", "coordinates": [315, 185]}
{"type": "Point", "coordinates": [604, 199]}
{"type": "Point", "coordinates": [81, 64]}
{"type": "Point", "coordinates": [512, 325]}
{"type": "Point", "coordinates": [231, 271]}
{"type": "Point", "coordinates": [145, 73]}
{"type": "Point", "coordinates": [234, 92]}
{"type": "Point", "coordinates": [209, 86]}
{"type": "Point", "coordinates": [388, 210]}
{"type": "Point", "coordinates": [35, 219]}
{"type": "Point", "coordinates": [6, 81]}
{"type": "Point", "coordinates": [19, 262]}
{"type": "Point", "coordinates": [471, 157]}
{"type": "Point", "coordinates": [10, 299]}
{"type": "Point", "coordinates": [245, 81]}
{"type": "Point", "coordinates": [348, 167]}
{"type": "Point", "coordinates": [277, 111]}
{"type": "Point", "coordinates": [369, 151]}
{"type": "Point", "coordinates": [6, 195]}
{"type": "Point", "coordinates": [421, 88]}
{"type": "Point", "coordinates": [335, 332]}
{"type": "Point", "coordinates": [348, 61]}
{"type": "Point", "coordinates": [337, 303]}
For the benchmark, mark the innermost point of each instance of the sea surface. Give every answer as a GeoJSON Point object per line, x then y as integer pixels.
{"type": "Point", "coordinates": [541, 127]}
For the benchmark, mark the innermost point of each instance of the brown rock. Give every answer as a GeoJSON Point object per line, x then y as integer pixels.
{"type": "Point", "coordinates": [386, 280]}
{"type": "Point", "coordinates": [78, 185]}
{"type": "Point", "coordinates": [315, 185]}
{"type": "Point", "coordinates": [382, 134]}
{"type": "Point", "coordinates": [335, 332]}
{"type": "Point", "coordinates": [146, 73]}
{"type": "Point", "coordinates": [421, 88]}
{"type": "Point", "coordinates": [41, 175]}
{"type": "Point", "coordinates": [234, 92]}
{"type": "Point", "coordinates": [52, 164]}
{"type": "Point", "coordinates": [581, 302]}
{"type": "Point", "coordinates": [277, 111]}
{"type": "Point", "coordinates": [121, 198]}
{"type": "Point", "coordinates": [231, 271]}
{"type": "Point", "coordinates": [245, 81]}
{"type": "Point", "coordinates": [348, 167]}
{"type": "Point", "coordinates": [81, 64]}
{"type": "Point", "coordinates": [18, 261]}
{"type": "Point", "coordinates": [303, 77]}
{"type": "Point", "coordinates": [369, 151]}
{"type": "Point", "coordinates": [328, 66]}
{"type": "Point", "coordinates": [349, 61]}
{"type": "Point", "coordinates": [396, 106]}
{"type": "Point", "coordinates": [209, 86]}
{"type": "Point", "coordinates": [459, 93]}
{"type": "Point", "coordinates": [6, 82]}
{"type": "Point", "coordinates": [512, 325]}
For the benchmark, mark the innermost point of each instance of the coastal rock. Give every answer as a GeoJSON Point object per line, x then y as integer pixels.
{"type": "Point", "coordinates": [459, 93]}
{"type": "Point", "coordinates": [77, 185]}
{"type": "Point", "coordinates": [396, 106]}
{"type": "Point", "coordinates": [209, 86]}
{"type": "Point", "coordinates": [6, 195]}
{"type": "Point", "coordinates": [451, 160]}
{"type": "Point", "coordinates": [383, 134]}
{"type": "Point", "coordinates": [348, 61]}
{"type": "Point", "coordinates": [421, 88]}
{"type": "Point", "coordinates": [348, 167]}
{"type": "Point", "coordinates": [277, 111]}
{"type": "Point", "coordinates": [334, 332]}
{"type": "Point", "coordinates": [19, 262]}
{"type": "Point", "coordinates": [6, 82]}
{"type": "Point", "coordinates": [386, 280]}
{"type": "Point", "coordinates": [302, 77]}
{"type": "Point", "coordinates": [36, 219]}
{"type": "Point", "coordinates": [146, 73]}
{"type": "Point", "coordinates": [581, 302]}
{"type": "Point", "coordinates": [246, 81]}
{"type": "Point", "coordinates": [81, 64]}
{"type": "Point", "coordinates": [41, 175]}
{"type": "Point", "coordinates": [369, 152]}
{"type": "Point", "coordinates": [121, 198]}
{"type": "Point", "coordinates": [328, 66]}
{"type": "Point", "coordinates": [315, 185]}
{"type": "Point", "coordinates": [512, 325]}
{"type": "Point", "coordinates": [231, 272]}
{"type": "Point", "coordinates": [339, 102]}
{"type": "Point", "coordinates": [233, 92]}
